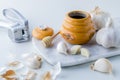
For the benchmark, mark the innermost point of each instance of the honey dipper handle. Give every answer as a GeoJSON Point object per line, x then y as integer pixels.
{"type": "Point", "coordinates": [55, 35]}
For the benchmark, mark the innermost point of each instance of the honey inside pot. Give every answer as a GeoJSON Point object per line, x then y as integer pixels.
{"type": "Point", "coordinates": [77, 15]}
{"type": "Point", "coordinates": [77, 27]}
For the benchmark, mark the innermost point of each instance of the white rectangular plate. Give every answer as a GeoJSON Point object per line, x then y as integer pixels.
{"type": "Point", "coordinates": [52, 56]}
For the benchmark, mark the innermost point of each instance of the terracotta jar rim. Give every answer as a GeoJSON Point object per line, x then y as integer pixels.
{"type": "Point", "coordinates": [85, 14]}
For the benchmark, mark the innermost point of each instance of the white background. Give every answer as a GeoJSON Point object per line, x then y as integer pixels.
{"type": "Point", "coordinates": [52, 12]}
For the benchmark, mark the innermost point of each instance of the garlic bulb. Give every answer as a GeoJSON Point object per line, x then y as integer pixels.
{"type": "Point", "coordinates": [102, 65]}
{"type": "Point", "coordinates": [33, 61]}
{"type": "Point", "coordinates": [99, 17]}
{"type": "Point", "coordinates": [75, 49]}
{"type": "Point", "coordinates": [62, 47]}
{"type": "Point", "coordinates": [85, 52]}
{"type": "Point", "coordinates": [108, 36]}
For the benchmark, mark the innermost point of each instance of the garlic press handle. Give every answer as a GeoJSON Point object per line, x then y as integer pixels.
{"type": "Point", "coordinates": [7, 25]}
{"type": "Point", "coordinates": [14, 16]}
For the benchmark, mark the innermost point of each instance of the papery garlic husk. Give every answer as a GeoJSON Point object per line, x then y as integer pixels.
{"type": "Point", "coordinates": [99, 18]}
{"type": "Point", "coordinates": [12, 78]}
{"type": "Point", "coordinates": [43, 27]}
{"type": "Point", "coordinates": [16, 65]}
{"type": "Point", "coordinates": [75, 49]}
{"type": "Point", "coordinates": [9, 75]}
{"type": "Point", "coordinates": [33, 61]}
{"type": "Point", "coordinates": [62, 47]}
{"type": "Point", "coordinates": [109, 36]}
{"type": "Point", "coordinates": [47, 76]}
{"type": "Point", "coordinates": [102, 65]}
{"type": "Point", "coordinates": [30, 75]}
{"type": "Point", "coordinates": [55, 71]}
{"type": "Point", "coordinates": [85, 52]}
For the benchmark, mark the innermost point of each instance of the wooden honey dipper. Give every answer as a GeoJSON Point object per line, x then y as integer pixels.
{"type": "Point", "coordinates": [47, 41]}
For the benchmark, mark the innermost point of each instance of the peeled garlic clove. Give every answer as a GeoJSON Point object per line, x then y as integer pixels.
{"type": "Point", "coordinates": [102, 65]}
{"type": "Point", "coordinates": [85, 52]}
{"type": "Point", "coordinates": [62, 48]}
{"type": "Point", "coordinates": [75, 49]}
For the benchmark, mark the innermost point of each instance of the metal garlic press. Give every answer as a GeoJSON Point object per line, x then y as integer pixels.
{"type": "Point", "coordinates": [17, 25]}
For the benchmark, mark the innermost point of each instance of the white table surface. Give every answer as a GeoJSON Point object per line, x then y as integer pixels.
{"type": "Point", "coordinates": [51, 12]}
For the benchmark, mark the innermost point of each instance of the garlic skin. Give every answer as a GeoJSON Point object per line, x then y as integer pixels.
{"type": "Point", "coordinates": [109, 35]}
{"type": "Point", "coordinates": [52, 73]}
{"type": "Point", "coordinates": [30, 75]}
{"type": "Point", "coordinates": [55, 71]}
{"type": "Point", "coordinates": [75, 49]}
{"type": "Point", "coordinates": [33, 61]}
{"type": "Point", "coordinates": [85, 52]}
{"type": "Point", "coordinates": [43, 27]}
{"type": "Point", "coordinates": [102, 65]}
{"type": "Point", "coordinates": [62, 48]}
{"type": "Point", "coordinates": [99, 18]}
{"type": "Point", "coordinates": [47, 76]}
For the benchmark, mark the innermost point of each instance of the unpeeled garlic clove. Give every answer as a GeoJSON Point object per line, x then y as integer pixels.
{"type": "Point", "coordinates": [62, 47]}
{"type": "Point", "coordinates": [85, 52]}
{"type": "Point", "coordinates": [75, 49]}
{"type": "Point", "coordinates": [33, 61]}
{"type": "Point", "coordinates": [102, 65]}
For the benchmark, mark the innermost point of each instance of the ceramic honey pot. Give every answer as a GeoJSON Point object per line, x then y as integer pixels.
{"type": "Point", "coordinates": [77, 27]}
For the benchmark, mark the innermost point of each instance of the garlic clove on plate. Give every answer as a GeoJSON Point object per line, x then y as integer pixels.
{"type": "Point", "coordinates": [102, 65]}
{"type": "Point", "coordinates": [75, 49]}
{"type": "Point", "coordinates": [62, 47]}
{"type": "Point", "coordinates": [85, 52]}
